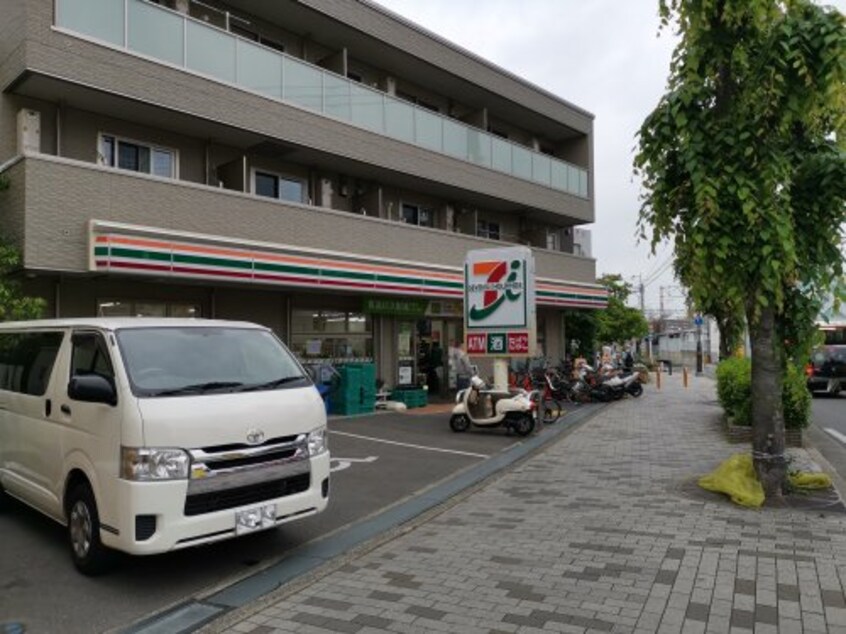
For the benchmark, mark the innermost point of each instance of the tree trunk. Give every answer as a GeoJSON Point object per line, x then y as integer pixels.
{"type": "Point", "coordinates": [726, 340]}
{"type": "Point", "coordinates": [767, 417]}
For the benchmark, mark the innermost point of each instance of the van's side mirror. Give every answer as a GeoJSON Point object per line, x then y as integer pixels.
{"type": "Point", "coordinates": [92, 388]}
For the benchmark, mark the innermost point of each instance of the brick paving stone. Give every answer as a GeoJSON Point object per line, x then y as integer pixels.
{"type": "Point", "coordinates": [603, 530]}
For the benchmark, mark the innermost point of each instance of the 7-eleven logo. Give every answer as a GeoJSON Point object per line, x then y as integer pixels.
{"type": "Point", "coordinates": [494, 284]}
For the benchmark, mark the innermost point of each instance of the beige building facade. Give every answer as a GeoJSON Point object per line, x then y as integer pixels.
{"type": "Point", "coordinates": [294, 163]}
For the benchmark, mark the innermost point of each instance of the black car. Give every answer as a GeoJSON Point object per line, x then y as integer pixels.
{"type": "Point", "coordinates": [827, 369]}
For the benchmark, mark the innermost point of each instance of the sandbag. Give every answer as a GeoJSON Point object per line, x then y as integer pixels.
{"type": "Point", "coordinates": [810, 480]}
{"type": "Point", "coordinates": [736, 478]}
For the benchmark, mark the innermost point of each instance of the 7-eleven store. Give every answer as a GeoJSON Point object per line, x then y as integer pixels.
{"type": "Point", "coordinates": [328, 307]}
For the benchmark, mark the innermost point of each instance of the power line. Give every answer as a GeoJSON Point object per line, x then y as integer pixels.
{"type": "Point", "coordinates": [654, 277]}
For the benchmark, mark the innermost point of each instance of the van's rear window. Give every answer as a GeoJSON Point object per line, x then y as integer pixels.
{"type": "Point", "coordinates": [26, 360]}
{"type": "Point", "coordinates": [198, 360]}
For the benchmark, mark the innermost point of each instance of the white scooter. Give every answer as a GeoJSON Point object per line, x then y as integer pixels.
{"type": "Point", "coordinates": [489, 408]}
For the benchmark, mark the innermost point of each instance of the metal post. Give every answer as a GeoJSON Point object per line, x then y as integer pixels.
{"type": "Point", "coordinates": [699, 350]}
{"type": "Point", "coordinates": [501, 374]}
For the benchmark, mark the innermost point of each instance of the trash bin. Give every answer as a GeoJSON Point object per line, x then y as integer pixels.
{"type": "Point", "coordinates": [324, 389]}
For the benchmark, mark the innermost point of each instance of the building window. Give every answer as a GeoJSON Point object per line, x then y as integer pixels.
{"type": "Point", "coordinates": [489, 230]}
{"type": "Point", "coordinates": [137, 157]}
{"type": "Point", "coordinates": [416, 215]}
{"type": "Point", "coordinates": [278, 186]}
{"type": "Point", "coordinates": [243, 32]}
{"type": "Point", "coordinates": [277, 46]}
{"type": "Point", "coordinates": [497, 132]}
{"type": "Point", "coordinates": [417, 101]}
{"type": "Point", "coordinates": [553, 240]}
{"type": "Point", "coordinates": [144, 308]}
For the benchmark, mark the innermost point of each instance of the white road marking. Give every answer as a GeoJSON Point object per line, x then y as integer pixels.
{"type": "Point", "coordinates": [403, 444]}
{"type": "Point", "coordinates": [836, 434]}
{"type": "Point", "coordinates": [345, 463]}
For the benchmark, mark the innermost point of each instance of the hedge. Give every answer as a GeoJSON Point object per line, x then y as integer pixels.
{"type": "Point", "coordinates": [734, 391]}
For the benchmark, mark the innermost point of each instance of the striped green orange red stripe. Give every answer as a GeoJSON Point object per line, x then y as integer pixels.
{"type": "Point", "coordinates": [183, 259]}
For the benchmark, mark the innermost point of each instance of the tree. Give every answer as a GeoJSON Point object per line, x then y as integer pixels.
{"type": "Point", "coordinates": [743, 163]}
{"type": "Point", "coordinates": [619, 322]}
{"type": "Point", "coordinates": [726, 311]}
{"type": "Point", "coordinates": [580, 329]}
{"type": "Point", "coordinates": [13, 304]}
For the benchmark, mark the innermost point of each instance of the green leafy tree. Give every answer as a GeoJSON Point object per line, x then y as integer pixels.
{"type": "Point", "coordinates": [14, 305]}
{"type": "Point", "coordinates": [580, 328]}
{"type": "Point", "coordinates": [743, 163]}
{"type": "Point", "coordinates": [726, 311]}
{"type": "Point", "coordinates": [618, 322]}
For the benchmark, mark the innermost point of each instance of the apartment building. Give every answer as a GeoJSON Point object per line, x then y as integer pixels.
{"type": "Point", "coordinates": [318, 166]}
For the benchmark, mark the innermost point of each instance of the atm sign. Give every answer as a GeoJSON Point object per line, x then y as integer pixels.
{"type": "Point", "coordinates": [498, 343]}
{"type": "Point", "coordinates": [477, 343]}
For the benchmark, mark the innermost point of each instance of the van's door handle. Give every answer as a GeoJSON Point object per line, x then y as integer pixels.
{"type": "Point", "coordinates": [48, 407]}
{"type": "Point", "coordinates": [65, 409]}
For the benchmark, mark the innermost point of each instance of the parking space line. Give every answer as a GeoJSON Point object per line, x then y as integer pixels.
{"type": "Point", "coordinates": [836, 434]}
{"type": "Point", "coordinates": [403, 444]}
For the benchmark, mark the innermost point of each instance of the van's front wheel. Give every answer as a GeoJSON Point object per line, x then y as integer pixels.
{"type": "Point", "coordinates": [87, 551]}
{"type": "Point", "coordinates": [4, 499]}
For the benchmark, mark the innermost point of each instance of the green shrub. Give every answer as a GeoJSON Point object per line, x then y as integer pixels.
{"type": "Point", "coordinates": [796, 399]}
{"type": "Point", "coordinates": [734, 391]}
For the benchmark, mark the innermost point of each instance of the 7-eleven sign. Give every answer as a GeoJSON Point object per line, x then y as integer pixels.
{"type": "Point", "coordinates": [499, 302]}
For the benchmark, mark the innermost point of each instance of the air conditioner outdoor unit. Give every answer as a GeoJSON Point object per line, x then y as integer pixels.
{"type": "Point", "coordinates": [29, 131]}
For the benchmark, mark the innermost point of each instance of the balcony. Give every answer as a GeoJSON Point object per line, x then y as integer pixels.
{"type": "Point", "coordinates": [51, 201]}
{"type": "Point", "coordinates": [152, 32]}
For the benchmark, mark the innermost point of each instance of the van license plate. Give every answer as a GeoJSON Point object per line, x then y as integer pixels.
{"type": "Point", "coordinates": [254, 519]}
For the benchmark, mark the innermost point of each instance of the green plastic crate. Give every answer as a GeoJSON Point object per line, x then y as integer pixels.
{"type": "Point", "coordinates": [411, 398]}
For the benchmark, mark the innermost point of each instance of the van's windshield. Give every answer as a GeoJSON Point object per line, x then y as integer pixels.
{"type": "Point", "coordinates": [174, 361]}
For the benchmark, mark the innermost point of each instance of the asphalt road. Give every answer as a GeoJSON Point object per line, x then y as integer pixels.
{"type": "Point", "coordinates": [377, 461]}
{"type": "Point", "coordinates": [828, 431]}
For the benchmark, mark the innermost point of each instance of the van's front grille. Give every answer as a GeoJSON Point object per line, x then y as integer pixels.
{"type": "Point", "coordinates": [200, 503]}
{"type": "Point", "coordinates": [247, 461]}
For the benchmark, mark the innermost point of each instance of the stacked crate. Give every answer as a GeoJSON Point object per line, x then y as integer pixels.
{"type": "Point", "coordinates": [412, 397]}
{"type": "Point", "coordinates": [354, 389]}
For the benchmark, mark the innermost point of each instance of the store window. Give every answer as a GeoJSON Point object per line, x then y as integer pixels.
{"type": "Point", "coordinates": [144, 308]}
{"type": "Point", "coordinates": [278, 186]}
{"type": "Point", "coordinates": [331, 336]}
{"type": "Point", "coordinates": [137, 157]}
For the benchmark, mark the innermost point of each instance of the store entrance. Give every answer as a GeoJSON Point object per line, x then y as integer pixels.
{"type": "Point", "coordinates": [434, 339]}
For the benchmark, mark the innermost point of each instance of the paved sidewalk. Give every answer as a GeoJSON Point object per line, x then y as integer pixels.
{"type": "Point", "coordinates": [603, 531]}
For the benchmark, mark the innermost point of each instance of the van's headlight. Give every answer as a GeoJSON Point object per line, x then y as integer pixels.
{"type": "Point", "coordinates": [318, 442]}
{"type": "Point", "coordinates": [153, 464]}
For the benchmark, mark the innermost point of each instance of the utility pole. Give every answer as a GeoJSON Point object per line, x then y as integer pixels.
{"type": "Point", "coordinates": [640, 288]}
{"type": "Point", "coordinates": [661, 302]}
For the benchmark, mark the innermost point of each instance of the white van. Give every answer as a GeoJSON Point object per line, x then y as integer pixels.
{"type": "Point", "coordinates": [149, 435]}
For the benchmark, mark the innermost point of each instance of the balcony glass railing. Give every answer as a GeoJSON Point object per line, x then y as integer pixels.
{"type": "Point", "coordinates": [140, 27]}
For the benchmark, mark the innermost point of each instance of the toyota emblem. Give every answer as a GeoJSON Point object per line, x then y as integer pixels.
{"type": "Point", "coordinates": [255, 436]}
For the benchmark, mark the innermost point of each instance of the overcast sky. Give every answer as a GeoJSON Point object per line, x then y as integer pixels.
{"type": "Point", "coordinates": [602, 55]}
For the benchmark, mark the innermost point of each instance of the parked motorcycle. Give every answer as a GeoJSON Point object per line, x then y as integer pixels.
{"type": "Point", "coordinates": [481, 407]}
{"type": "Point", "coordinates": [620, 385]}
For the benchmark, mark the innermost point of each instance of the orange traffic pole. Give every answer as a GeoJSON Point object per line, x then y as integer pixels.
{"type": "Point", "coordinates": [684, 376]}
{"type": "Point", "coordinates": [658, 377]}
